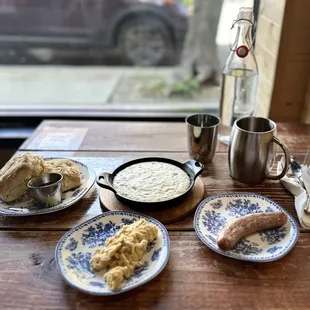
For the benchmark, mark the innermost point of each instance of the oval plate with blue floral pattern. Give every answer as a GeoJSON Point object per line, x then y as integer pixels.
{"type": "Point", "coordinates": [26, 205]}
{"type": "Point", "coordinates": [74, 250]}
{"type": "Point", "coordinates": [217, 211]}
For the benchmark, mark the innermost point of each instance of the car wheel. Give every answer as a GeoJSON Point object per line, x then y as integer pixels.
{"type": "Point", "coordinates": [145, 42]}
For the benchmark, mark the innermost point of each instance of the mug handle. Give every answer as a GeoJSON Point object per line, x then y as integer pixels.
{"type": "Point", "coordinates": [287, 156]}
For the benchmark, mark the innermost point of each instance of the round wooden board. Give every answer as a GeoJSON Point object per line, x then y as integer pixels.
{"type": "Point", "coordinates": [166, 216]}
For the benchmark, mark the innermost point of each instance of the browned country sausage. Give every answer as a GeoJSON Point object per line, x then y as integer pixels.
{"type": "Point", "coordinates": [247, 225]}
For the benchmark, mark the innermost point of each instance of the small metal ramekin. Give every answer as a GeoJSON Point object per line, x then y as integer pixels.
{"type": "Point", "coordinates": [46, 188]}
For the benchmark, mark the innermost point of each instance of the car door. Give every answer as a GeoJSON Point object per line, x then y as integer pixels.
{"type": "Point", "coordinates": [80, 17]}
{"type": "Point", "coordinates": [57, 19]}
{"type": "Point", "coordinates": [9, 17]}
{"type": "Point", "coordinates": [28, 17]}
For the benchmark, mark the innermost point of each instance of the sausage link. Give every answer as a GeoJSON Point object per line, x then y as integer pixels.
{"type": "Point", "coordinates": [247, 225]}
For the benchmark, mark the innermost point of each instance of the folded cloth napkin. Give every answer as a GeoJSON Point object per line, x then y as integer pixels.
{"type": "Point", "coordinates": [293, 186]}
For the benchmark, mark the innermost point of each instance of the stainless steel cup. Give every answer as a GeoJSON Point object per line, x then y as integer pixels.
{"type": "Point", "coordinates": [46, 188]}
{"type": "Point", "coordinates": [202, 136]}
{"type": "Point", "coordinates": [252, 150]}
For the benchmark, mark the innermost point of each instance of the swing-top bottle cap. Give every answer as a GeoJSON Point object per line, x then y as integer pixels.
{"type": "Point", "coordinates": [246, 13]}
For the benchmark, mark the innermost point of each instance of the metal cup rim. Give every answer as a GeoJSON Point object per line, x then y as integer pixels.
{"type": "Point", "coordinates": [44, 186]}
{"type": "Point", "coordinates": [205, 114]}
{"type": "Point", "coordinates": [256, 132]}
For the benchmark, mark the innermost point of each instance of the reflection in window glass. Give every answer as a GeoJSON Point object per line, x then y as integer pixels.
{"type": "Point", "coordinates": [114, 55]}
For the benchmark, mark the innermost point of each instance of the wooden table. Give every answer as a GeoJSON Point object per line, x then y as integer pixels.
{"type": "Point", "coordinates": [195, 277]}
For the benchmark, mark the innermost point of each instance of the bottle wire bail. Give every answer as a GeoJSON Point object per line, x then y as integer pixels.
{"type": "Point", "coordinates": [243, 46]}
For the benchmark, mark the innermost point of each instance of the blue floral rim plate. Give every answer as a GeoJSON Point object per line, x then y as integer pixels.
{"type": "Point", "coordinates": [27, 205]}
{"type": "Point", "coordinates": [74, 250]}
{"type": "Point", "coordinates": [215, 212]}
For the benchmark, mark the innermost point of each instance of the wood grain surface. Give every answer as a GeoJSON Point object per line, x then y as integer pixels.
{"type": "Point", "coordinates": [168, 215]}
{"type": "Point", "coordinates": [194, 278]}
{"type": "Point", "coordinates": [137, 136]}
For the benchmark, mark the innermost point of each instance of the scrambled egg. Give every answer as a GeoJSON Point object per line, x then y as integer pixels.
{"type": "Point", "coordinates": [123, 252]}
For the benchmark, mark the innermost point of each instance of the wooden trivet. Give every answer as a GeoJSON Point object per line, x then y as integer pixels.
{"type": "Point", "coordinates": [166, 216]}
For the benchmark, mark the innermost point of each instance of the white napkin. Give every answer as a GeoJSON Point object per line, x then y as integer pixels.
{"type": "Point", "coordinates": [300, 197]}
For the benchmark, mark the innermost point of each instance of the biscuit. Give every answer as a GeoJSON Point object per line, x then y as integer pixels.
{"type": "Point", "coordinates": [69, 171]}
{"type": "Point", "coordinates": [16, 173]}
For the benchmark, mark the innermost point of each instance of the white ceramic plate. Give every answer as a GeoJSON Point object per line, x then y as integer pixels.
{"type": "Point", "coordinates": [27, 205]}
{"type": "Point", "coordinates": [215, 212]}
{"type": "Point", "coordinates": [74, 250]}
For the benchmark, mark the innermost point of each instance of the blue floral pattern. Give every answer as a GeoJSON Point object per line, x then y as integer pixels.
{"type": "Point", "coordinates": [80, 262]}
{"type": "Point", "coordinates": [72, 245]}
{"type": "Point", "coordinates": [273, 235]}
{"type": "Point", "coordinates": [127, 221]}
{"type": "Point", "coordinates": [211, 238]}
{"type": "Point", "coordinates": [245, 247]}
{"type": "Point", "coordinates": [155, 255]}
{"type": "Point", "coordinates": [140, 271]}
{"type": "Point", "coordinates": [213, 221]}
{"type": "Point", "coordinates": [263, 246]}
{"type": "Point", "coordinates": [274, 249]}
{"type": "Point", "coordinates": [217, 204]}
{"type": "Point", "coordinates": [98, 284]}
{"type": "Point", "coordinates": [74, 250]}
{"type": "Point", "coordinates": [150, 246]}
{"type": "Point", "coordinates": [96, 236]}
{"type": "Point", "coordinates": [239, 208]}
{"type": "Point", "coordinates": [269, 209]}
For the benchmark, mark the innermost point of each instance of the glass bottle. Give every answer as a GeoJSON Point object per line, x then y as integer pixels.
{"type": "Point", "coordinates": [240, 76]}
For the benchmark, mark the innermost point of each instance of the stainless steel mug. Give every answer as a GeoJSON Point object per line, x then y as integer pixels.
{"type": "Point", "coordinates": [202, 136]}
{"type": "Point", "coordinates": [252, 150]}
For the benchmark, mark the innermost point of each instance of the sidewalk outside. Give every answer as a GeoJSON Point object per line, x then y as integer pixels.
{"type": "Point", "coordinates": [105, 87]}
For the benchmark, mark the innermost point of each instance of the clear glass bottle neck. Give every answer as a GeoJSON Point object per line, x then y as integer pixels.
{"type": "Point", "coordinates": [244, 35]}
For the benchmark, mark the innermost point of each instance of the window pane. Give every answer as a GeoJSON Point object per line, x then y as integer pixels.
{"type": "Point", "coordinates": [114, 55]}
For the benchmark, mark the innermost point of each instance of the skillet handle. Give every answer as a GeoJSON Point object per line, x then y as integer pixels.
{"type": "Point", "coordinates": [195, 166]}
{"type": "Point", "coordinates": [103, 180]}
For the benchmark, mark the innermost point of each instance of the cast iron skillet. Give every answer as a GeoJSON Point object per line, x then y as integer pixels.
{"type": "Point", "coordinates": [192, 168]}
